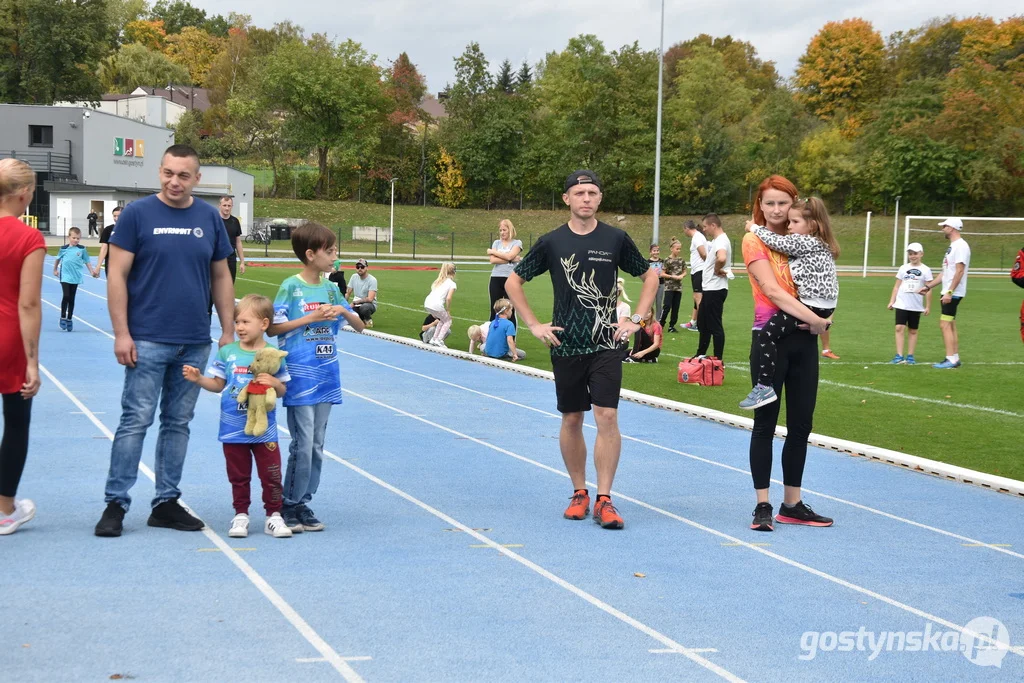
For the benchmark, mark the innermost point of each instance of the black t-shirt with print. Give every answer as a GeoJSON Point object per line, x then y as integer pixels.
{"type": "Point", "coordinates": [234, 229]}
{"type": "Point", "coordinates": [583, 272]}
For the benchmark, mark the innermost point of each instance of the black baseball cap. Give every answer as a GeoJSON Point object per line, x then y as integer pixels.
{"type": "Point", "coordinates": [582, 177]}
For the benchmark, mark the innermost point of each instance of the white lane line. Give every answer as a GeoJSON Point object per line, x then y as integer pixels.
{"type": "Point", "coordinates": [286, 610]}
{"type": "Point", "coordinates": [1018, 650]}
{"type": "Point", "coordinates": [81, 289]}
{"type": "Point", "coordinates": [894, 394]}
{"type": "Point", "coordinates": [672, 645]}
{"type": "Point", "coordinates": [707, 461]}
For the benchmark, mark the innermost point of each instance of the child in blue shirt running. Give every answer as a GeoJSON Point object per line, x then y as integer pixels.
{"type": "Point", "coordinates": [306, 320]}
{"type": "Point", "coordinates": [228, 376]}
{"type": "Point", "coordinates": [72, 259]}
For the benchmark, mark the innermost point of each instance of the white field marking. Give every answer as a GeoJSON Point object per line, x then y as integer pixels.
{"type": "Point", "coordinates": [420, 310]}
{"type": "Point", "coordinates": [81, 320]}
{"type": "Point", "coordinates": [677, 652]}
{"type": "Point", "coordinates": [83, 289]}
{"type": "Point", "coordinates": [893, 394]}
{"type": "Point", "coordinates": [1000, 548]}
{"type": "Point", "coordinates": [707, 461]}
{"type": "Point", "coordinates": [316, 660]}
{"type": "Point", "coordinates": [286, 610]}
{"type": "Point", "coordinates": [1018, 650]}
{"type": "Point", "coordinates": [557, 580]}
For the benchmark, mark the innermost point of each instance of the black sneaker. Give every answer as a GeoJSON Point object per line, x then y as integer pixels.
{"type": "Point", "coordinates": [111, 522]}
{"type": "Point", "coordinates": [308, 519]}
{"type": "Point", "coordinates": [291, 519]}
{"type": "Point", "coordinates": [762, 518]}
{"type": "Point", "coordinates": [673, 330]}
{"type": "Point", "coordinates": [171, 515]}
{"type": "Point", "coordinates": [801, 514]}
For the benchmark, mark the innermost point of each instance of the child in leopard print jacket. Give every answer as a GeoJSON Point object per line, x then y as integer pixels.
{"type": "Point", "coordinates": [814, 251]}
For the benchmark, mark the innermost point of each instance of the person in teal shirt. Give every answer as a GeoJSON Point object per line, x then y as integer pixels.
{"type": "Point", "coordinates": [72, 260]}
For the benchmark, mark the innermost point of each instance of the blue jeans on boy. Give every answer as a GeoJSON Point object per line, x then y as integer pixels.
{"type": "Point", "coordinates": [308, 427]}
{"type": "Point", "coordinates": [157, 375]}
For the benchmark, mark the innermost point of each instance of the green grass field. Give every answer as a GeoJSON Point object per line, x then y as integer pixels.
{"type": "Point", "coordinates": [970, 416]}
{"type": "Point", "coordinates": [475, 229]}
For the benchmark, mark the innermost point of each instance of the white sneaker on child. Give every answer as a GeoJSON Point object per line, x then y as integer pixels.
{"type": "Point", "coordinates": [276, 527]}
{"type": "Point", "coordinates": [239, 526]}
{"type": "Point", "coordinates": [24, 510]}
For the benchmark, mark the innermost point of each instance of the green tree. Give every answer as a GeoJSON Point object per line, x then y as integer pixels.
{"type": "Point", "coordinates": [331, 96]}
{"type": "Point", "coordinates": [524, 76]}
{"type": "Point", "coordinates": [827, 164]}
{"type": "Point", "coordinates": [842, 69]}
{"type": "Point", "coordinates": [770, 137]}
{"type": "Point", "coordinates": [703, 116]}
{"type": "Point", "coordinates": [135, 65]}
{"type": "Point", "coordinates": [120, 13]}
{"type": "Point", "coordinates": [739, 57]}
{"type": "Point", "coordinates": [505, 80]}
{"type": "Point", "coordinates": [50, 49]}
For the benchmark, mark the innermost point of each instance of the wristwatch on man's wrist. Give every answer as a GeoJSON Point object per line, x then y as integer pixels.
{"type": "Point", "coordinates": [636, 318]}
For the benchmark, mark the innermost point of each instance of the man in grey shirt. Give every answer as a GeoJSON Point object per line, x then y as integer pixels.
{"type": "Point", "coordinates": [362, 292]}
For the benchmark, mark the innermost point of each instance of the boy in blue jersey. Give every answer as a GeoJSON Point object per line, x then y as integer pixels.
{"type": "Point", "coordinates": [306, 312]}
{"type": "Point", "coordinates": [72, 259]}
{"type": "Point", "coordinates": [228, 376]}
{"type": "Point", "coordinates": [501, 337]}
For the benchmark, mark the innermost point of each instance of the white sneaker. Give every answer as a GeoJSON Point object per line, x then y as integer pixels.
{"type": "Point", "coordinates": [439, 343]}
{"type": "Point", "coordinates": [24, 510]}
{"type": "Point", "coordinates": [276, 527]}
{"type": "Point", "coordinates": [239, 526]}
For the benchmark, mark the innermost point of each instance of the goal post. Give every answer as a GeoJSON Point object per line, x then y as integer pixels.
{"type": "Point", "coordinates": [991, 238]}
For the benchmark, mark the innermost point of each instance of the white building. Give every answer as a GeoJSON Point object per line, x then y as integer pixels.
{"type": "Point", "coordinates": [91, 161]}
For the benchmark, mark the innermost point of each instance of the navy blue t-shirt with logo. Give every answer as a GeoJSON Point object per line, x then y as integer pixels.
{"type": "Point", "coordinates": [169, 283]}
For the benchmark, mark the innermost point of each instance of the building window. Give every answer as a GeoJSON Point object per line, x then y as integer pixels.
{"type": "Point", "coordinates": [40, 136]}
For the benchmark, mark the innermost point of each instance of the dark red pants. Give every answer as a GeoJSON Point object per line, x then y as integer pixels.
{"type": "Point", "coordinates": [239, 457]}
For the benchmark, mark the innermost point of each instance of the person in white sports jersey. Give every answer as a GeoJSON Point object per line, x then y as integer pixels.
{"type": "Point", "coordinates": [955, 265]}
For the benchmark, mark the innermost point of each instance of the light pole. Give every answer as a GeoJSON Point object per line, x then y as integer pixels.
{"type": "Point", "coordinates": [391, 232]}
{"type": "Point", "coordinates": [657, 144]}
{"type": "Point", "coordinates": [895, 229]}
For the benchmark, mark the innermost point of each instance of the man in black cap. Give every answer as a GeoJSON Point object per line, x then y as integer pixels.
{"type": "Point", "coordinates": [583, 257]}
{"type": "Point", "coordinates": [362, 292]}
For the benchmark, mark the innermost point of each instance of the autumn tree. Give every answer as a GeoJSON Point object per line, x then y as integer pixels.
{"type": "Point", "coordinates": [842, 69]}
{"type": "Point", "coordinates": [451, 185]}
{"type": "Point", "coordinates": [196, 50]}
{"type": "Point", "coordinates": [151, 34]}
{"type": "Point", "coordinates": [136, 65]}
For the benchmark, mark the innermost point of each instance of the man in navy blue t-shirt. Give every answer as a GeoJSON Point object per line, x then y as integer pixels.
{"type": "Point", "coordinates": [167, 255]}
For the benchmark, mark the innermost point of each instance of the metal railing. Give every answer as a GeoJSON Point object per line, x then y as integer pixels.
{"type": "Point", "coordinates": [42, 162]}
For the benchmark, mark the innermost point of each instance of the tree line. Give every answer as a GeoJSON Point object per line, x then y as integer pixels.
{"type": "Point", "coordinates": [930, 114]}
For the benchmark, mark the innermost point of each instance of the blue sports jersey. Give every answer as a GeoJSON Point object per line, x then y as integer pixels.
{"type": "Point", "coordinates": [500, 330]}
{"type": "Point", "coordinates": [169, 283]}
{"type": "Point", "coordinates": [73, 260]}
{"type": "Point", "coordinates": [232, 365]}
{"type": "Point", "coordinates": [312, 356]}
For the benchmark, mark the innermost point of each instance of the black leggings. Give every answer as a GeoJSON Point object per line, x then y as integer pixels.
{"type": "Point", "coordinates": [765, 350]}
{"type": "Point", "coordinates": [14, 447]}
{"type": "Point", "coordinates": [496, 288]}
{"type": "Point", "coordinates": [797, 371]}
{"type": "Point", "coordinates": [67, 304]}
{"type": "Point", "coordinates": [672, 300]}
{"type": "Point", "coordinates": [709, 321]}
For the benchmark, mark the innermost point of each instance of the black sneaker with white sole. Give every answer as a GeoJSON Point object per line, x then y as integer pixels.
{"type": "Point", "coordinates": [801, 513]}
{"type": "Point", "coordinates": [171, 515]}
{"type": "Point", "coordinates": [111, 522]}
{"type": "Point", "coordinates": [762, 518]}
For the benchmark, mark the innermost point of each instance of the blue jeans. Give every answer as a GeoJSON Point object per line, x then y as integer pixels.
{"type": "Point", "coordinates": [156, 375]}
{"type": "Point", "coordinates": [308, 426]}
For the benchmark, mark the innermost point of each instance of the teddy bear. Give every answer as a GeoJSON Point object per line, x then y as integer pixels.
{"type": "Point", "coordinates": [261, 397]}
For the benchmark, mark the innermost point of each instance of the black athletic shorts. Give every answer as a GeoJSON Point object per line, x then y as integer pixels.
{"type": "Point", "coordinates": [580, 381]}
{"type": "Point", "coordinates": [950, 308]}
{"type": "Point", "coordinates": [909, 318]}
{"type": "Point", "coordinates": [697, 281]}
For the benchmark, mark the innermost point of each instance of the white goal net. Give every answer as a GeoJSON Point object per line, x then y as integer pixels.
{"type": "Point", "coordinates": [994, 241]}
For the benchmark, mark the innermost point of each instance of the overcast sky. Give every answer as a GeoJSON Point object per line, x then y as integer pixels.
{"type": "Point", "coordinates": [433, 33]}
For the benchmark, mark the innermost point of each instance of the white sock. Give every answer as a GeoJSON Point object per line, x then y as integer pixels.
{"type": "Point", "coordinates": [955, 358]}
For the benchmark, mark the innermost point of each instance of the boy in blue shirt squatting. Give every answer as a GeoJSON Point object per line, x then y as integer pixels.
{"type": "Point", "coordinates": [228, 375]}
{"type": "Point", "coordinates": [306, 312]}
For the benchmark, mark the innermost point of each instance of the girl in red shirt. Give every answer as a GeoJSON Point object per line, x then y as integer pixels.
{"type": "Point", "coordinates": [21, 279]}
